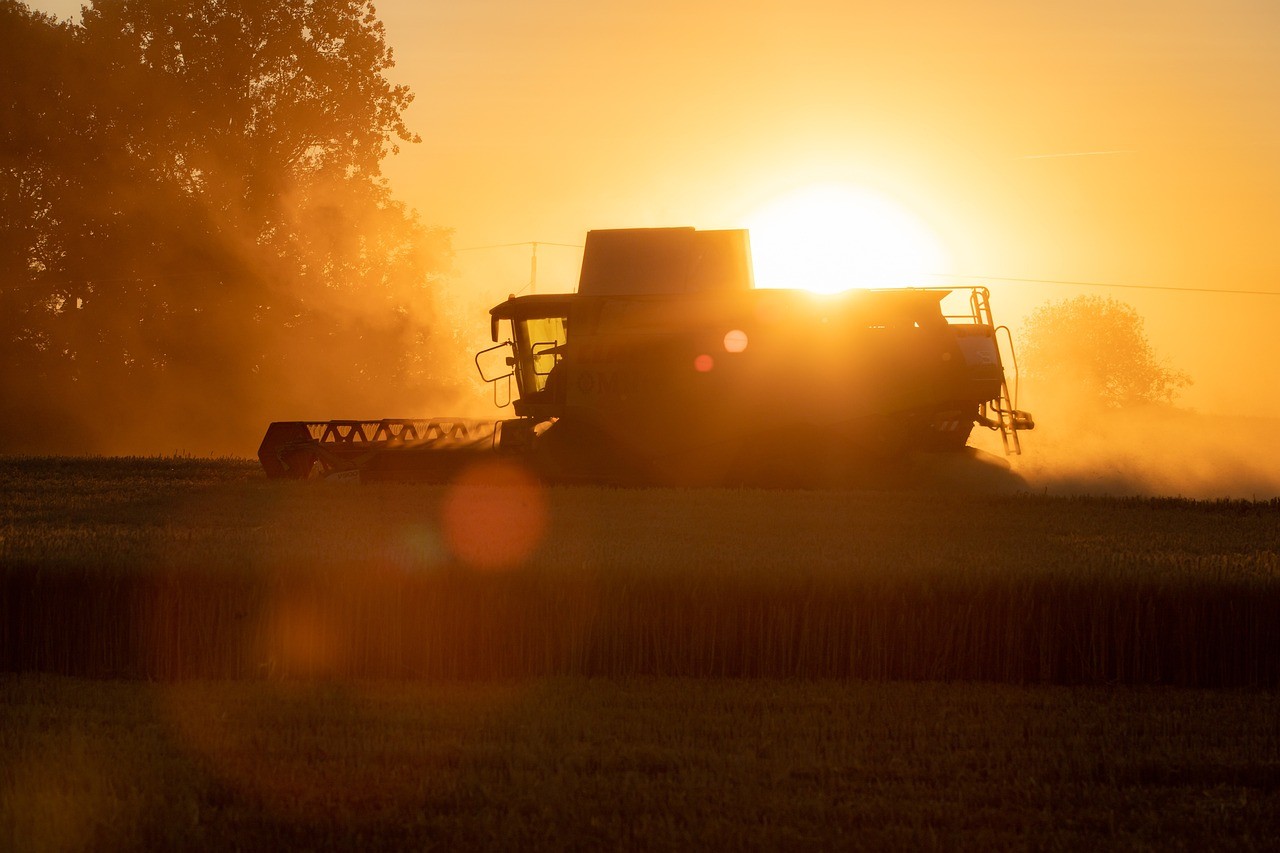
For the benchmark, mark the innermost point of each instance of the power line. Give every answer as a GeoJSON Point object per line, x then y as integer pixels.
{"type": "Point", "coordinates": [1076, 154]}
{"type": "Point", "coordinates": [532, 286]}
{"type": "Point", "coordinates": [169, 277]}
{"type": "Point", "coordinates": [525, 243]}
{"type": "Point", "coordinates": [1113, 284]}
{"type": "Point", "coordinates": [123, 279]}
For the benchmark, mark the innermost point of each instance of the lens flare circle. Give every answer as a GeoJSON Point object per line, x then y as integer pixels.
{"type": "Point", "coordinates": [494, 516]}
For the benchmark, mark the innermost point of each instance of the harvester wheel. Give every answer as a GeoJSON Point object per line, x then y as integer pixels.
{"type": "Point", "coordinates": [966, 471]}
{"type": "Point", "coordinates": [803, 456]}
{"type": "Point", "coordinates": [569, 452]}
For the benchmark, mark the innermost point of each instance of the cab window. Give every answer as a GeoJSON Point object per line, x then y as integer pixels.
{"type": "Point", "coordinates": [540, 341]}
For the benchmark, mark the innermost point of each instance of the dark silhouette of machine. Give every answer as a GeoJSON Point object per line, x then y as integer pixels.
{"type": "Point", "coordinates": [667, 367]}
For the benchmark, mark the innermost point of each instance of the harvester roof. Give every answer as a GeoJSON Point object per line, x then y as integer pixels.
{"type": "Point", "coordinates": [665, 261]}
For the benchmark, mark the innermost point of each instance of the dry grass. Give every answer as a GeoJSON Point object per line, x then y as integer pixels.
{"type": "Point", "coordinates": [171, 569]}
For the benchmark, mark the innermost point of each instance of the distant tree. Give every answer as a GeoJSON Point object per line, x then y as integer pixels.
{"type": "Point", "coordinates": [1093, 350]}
{"type": "Point", "coordinates": [37, 117]}
{"type": "Point", "coordinates": [194, 208]}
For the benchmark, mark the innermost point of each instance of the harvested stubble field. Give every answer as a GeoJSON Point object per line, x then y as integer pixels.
{"type": "Point", "coordinates": [201, 658]}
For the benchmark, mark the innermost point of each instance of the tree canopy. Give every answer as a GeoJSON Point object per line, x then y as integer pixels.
{"type": "Point", "coordinates": [1093, 350]}
{"type": "Point", "coordinates": [197, 235]}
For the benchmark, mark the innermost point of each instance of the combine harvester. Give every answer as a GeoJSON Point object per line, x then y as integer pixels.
{"type": "Point", "coordinates": [667, 367]}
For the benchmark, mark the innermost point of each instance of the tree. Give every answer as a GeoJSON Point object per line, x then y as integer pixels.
{"type": "Point", "coordinates": [197, 228]}
{"type": "Point", "coordinates": [1093, 351]}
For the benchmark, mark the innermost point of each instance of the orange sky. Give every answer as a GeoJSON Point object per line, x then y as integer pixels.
{"type": "Point", "coordinates": [543, 120]}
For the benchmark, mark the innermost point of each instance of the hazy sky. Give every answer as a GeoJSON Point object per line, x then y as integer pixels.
{"type": "Point", "coordinates": [1134, 143]}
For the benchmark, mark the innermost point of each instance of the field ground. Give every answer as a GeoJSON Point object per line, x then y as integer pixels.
{"type": "Point", "coordinates": [197, 657]}
{"type": "Point", "coordinates": [634, 764]}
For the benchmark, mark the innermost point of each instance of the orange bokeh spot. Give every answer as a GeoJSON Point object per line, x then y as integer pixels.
{"type": "Point", "coordinates": [494, 516]}
{"type": "Point", "coordinates": [703, 363]}
{"type": "Point", "coordinates": [735, 341]}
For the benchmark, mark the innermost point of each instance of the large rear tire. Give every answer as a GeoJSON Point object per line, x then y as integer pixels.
{"type": "Point", "coordinates": [967, 471]}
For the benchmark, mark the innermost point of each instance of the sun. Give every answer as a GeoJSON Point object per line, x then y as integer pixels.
{"type": "Point", "coordinates": [833, 237]}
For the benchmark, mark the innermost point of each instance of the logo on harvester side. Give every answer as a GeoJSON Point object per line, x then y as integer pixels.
{"type": "Point", "coordinates": [601, 382]}
{"type": "Point", "coordinates": [978, 350]}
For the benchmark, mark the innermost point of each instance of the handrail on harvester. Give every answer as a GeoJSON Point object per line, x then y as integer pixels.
{"type": "Point", "coordinates": [1008, 419]}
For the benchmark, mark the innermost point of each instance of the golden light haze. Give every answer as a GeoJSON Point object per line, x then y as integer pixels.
{"type": "Point", "coordinates": [1131, 143]}
{"type": "Point", "coordinates": [542, 121]}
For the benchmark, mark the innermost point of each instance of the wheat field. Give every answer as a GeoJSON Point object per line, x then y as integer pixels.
{"type": "Point", "coordinates": [180, 568]}
{"type": "Point", "coordinates": [194, 658]}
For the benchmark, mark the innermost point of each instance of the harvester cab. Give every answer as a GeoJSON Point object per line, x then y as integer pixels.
{"type": "Point", "coordinates": [667, 366]}
{"type": "Point", "coordinates": [530, 356]}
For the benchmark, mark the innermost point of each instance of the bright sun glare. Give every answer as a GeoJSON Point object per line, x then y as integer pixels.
{"type": "Point", "coordinates": [832, 237]}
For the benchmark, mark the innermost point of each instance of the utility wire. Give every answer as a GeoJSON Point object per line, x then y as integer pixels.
{"type": "Point", "coordinates": [153, 279]}
{"type": "Point", "coordinates": [156, 279]}
{"type": "Point", "coordinates": [126, 279]}
{"type": "Point", "coordinates": [525, 243]}
{"type": "Point", "coordinates": [532, 286]}
{"type": "Point", "coordinates": [1113, 284]}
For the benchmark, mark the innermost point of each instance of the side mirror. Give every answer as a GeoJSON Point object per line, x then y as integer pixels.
{"type": "Point", "coordinates": [545, 351]}
{"type": "Point", "coordinates": [493, 365]}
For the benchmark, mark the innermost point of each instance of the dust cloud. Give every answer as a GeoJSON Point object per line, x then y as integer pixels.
{"type": "Point", "coordinates": [1153, 450]}
{"type": "Point", "coordinates": [1147, 397]}
{"type": "Point", "coordinates": [193, 358]}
